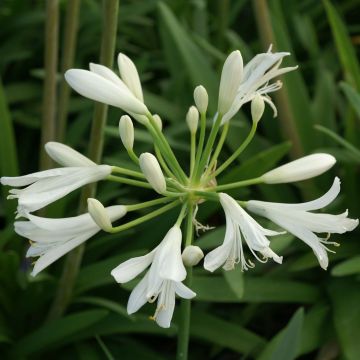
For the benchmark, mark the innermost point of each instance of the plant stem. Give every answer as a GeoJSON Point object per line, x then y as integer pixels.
{"type": "Point", "coordinates": [73, 260]}
{"type": "Point", "coordinates": [192, 152]}
{"type": "Point", "coordinates": [201, 140]}
{"type": "Point", "coordinates": [120, 170]}
{"type": "Point", "coordinates": [146, 217]}
{"type": "Point", "coordinates": [185, 306]}
{"type": "Point", "coordinates": [163, 163]}
{"type": "Point", "coordinates": [240, 149]}
{"type": "Point", "coordinates": [69, 45]}
{"type": "Point", "coordinates": [133, 182]}
{"type": "Point", "coordinates": [148, 204]}
{"type": "Point", "coordinates": [237, 184]}
{"type": "Point", "coordinates": [48, 125]}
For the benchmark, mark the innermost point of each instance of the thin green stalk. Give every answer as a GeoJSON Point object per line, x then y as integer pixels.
{"type": "Point", "coordinates": [201, 139]}
{"type": "Point", "coordinates": [48, 125]}
{"type": "Point", "coordinates": [120, 170]}
{"type": "Point", "coordinates": [205, 155]}
{"type": "Point", "coordinates": [146, 217]}
{"type": "Point", "coordinates": [133, 156]}
{"type": "Point", "coordinates": [133, 182]}
{"type": "Point", "coordinates": [69, 45]}
{"type": "Point", "coordinates": [147, 204]}
{"type": "Point", "coordinates": [258, 180]}
{"type": "Point", "coordinates": [208, 195]}
{"type": "Point", "coordinates": [240, 149]}
{"type": "Point", "coordinates": [185, 306]}
{"type": "Point", "coordinates": [73, 260]}
{"type": "Point", "coordinates": [163, 163]}
{"type": "Point", "coordinates": [182, 214]}
{"type": "Point", "coordinates": [219, 146]}
{"type": "Point", "coordinates": [192, 152]}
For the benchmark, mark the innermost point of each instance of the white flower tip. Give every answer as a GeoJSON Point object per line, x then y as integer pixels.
{"type": "Point", "coordinates": [158, 121]}
{"type": "Point", "coordinates": [257, 108]}
{"type": "Point", "coordinates": [301, 169]}
{"type": "Point", "coordinates": [126, 131]}
{"type": "Point", "coordinates": [201, 99]}
{"type": "Point", "coordinates": [231, 77]}
{"type": "Point", "coordinates": [151, 169]}
{"type": "Point", "coordinates": [99, 214]}
{"type": "Point", "coordinates": [192, 255]}
{"type": "Point", "coordinates": [192, 119]}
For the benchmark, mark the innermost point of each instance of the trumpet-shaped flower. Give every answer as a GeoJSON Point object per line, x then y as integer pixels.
{"type": "Point", "coordinates": [45, 187]}
{"type": "Point", "coordinates": [52, 238]}
{"type": "Point", "coordinates": [103, 85]}
{"type": "Point", "coordinates": [300, 221]}
{"type": "Point", "coordinates": [162, 281]}
{"type": "Point", "coordinates": [239, 224]}
{"type": "Point", "coordinates": [255, 80]}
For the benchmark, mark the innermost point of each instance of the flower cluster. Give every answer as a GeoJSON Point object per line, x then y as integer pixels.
{"type": "Point", "coordinates": [177, 187]}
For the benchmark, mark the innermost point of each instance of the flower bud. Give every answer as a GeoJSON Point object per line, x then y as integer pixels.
{"type": "Point", "coordinates": [66, 156]}
{"type": "Point", "coordinates": [257, 108]}
{"type": "Point", "coordinates": [304, 168]}
{"type": "Point", "coordinates": [192, 255]}
{"type": "Point", "coordinates": [99, 214]}
{"type": "Point", "coordinates": [201, 99]}
{"type": "Point", "coordinates": [192, 119]}
{"type": "Point", "coordinates": [152, 171]}
{"type": "Point", "coordinates": [126, 130]}
{"type": "Point", "coordinates": [231, 76]}
{"type": "Point", "coordinates": [130, 76]}
{"type": "Point", "coordinates": [158, 121]}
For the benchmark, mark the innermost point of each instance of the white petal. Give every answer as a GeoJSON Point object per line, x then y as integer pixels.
{"type": "Point", "coordinates": [268, 253]}
{"type": "Point", "coordinates": [130, 76]}
{"type": "Point", "coordinates": [165, 310]}
{"type": "Point", "coordinates": [116, 212]}
{"type": "Point", "coordinates": [183, 291]}
{"type": "Point", "coordinates": [151, 169]}
{"type": "Point", "coordinates": [137, 297]}
{"type": "Point", "coordinates": [217, 257]}
{"type": "Point", "coordinates": [96, 87]}
{"type": "Point", "coordinates": [66, 156]}
{"type": "Point", "coordinates": [131, 268]}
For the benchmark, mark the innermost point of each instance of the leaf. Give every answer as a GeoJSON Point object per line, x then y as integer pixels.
{"type": "Point", "coordinates": [57, 331]}
{"type": "Point", "coordinates": [348, 267]}
{"type": "Point", "coordinates": [235, 280]}
{"type": "Point", "coordinates": [352, 95]}
{"type": "Point", "coordinates": [345, 296]}
{"type": "Point", "coordinates": [344, 46]}
{"type": "Point", "coordinates": [285, 345]}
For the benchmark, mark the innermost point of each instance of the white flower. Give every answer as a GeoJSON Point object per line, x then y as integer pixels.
{"type": "Point", "coordinates": [298, 220]}
{"type": "Point", "coordinates": [152, 171]}
{"type": "Point", "coordinates": [162, 281]}
{"type": "Point", "coordinates": [192, 255]}
{"type": "Point", "coordinates": [52, 238]}
{"type": "Point", "coordinates": [103, 85]}
{"type": "Point", "coordinates": [126, 130]}
{"type": "Point", "coordinates": [47, 186]}
{"type": "Point", "coordinates": [257, 108]}
{"type": "Point", "coordinates": [255, 78]}
{"type": "Point", "coordinates": [238, 224]}
{"type": "Point", "coordinates": [201, 99]}
{"type": "Point", "coordinates": [99, 214]}
{"type": "Point", "coordinates": [192, 119]}
{"type": "Point", "coordinates": [301, 169]}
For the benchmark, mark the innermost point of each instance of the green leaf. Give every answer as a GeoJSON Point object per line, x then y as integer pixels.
{"type": "Point", "coordinates": [345, 296]}
{"type": "Point", "coordinates": [285, 345]}
{"type": "Point", "coordinates": [235, 279]}
{"type": "Point", "coordinates": [344, 46]}
{"type": "Point", "coordinates": [57, 331]}
{"type": "Point", "coordinates": [352, 95]}
{"type": "Point", "coordinates": [348, 267]}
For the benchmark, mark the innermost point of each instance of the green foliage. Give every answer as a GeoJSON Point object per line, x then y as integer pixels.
{"type": "Point", "coordinates": [291, 311]}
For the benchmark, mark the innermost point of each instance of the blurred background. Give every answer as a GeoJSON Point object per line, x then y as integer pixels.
{"type": "Point", "coordinates": [292, 311]}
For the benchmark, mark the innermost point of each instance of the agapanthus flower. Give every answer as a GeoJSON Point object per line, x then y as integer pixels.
{"type": "Point", "coordinates": [52, 238]}
{"type": "Point", "coordinates": [162, 281]}
{"type": "Point", "coordinates": [300, 221]}
{"type": "Point", "coordinates": [239, 224]}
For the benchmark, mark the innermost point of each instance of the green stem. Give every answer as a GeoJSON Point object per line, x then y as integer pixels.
{"type": "Point", "coordinates": [133, 156]}
{"type": "Point", "coordinates": [69, 45]}
{"type": "Point", "coordinates": [258, 180]}
{"type": "Point", "coordinates": [120, 170]}
{"type": "Point", "coordinates": [48, 125]}
{"type": "Point", "coordinates": [163, 163]}
{"type": "Point", "coordinates": [185, 306]}
{"type": "Point", "coordinates": [146, 217]}
{"type": "Point", "coordinates": [148, 204]}
{"type": "Point", "coordinates": [201, 140]}
{"type": "Point", "coordinates": [124, 180]}
{"type": "Point", "coordinates": [208, 195]}
{"type": "Point", "coordinates": [181, 215]}
{"type": "Point", "coordinates": [205, 155]}
{"type": "Point", "coordinates": [73, 260]}
{"type": "Point", "coordinates": [192, 152]}
{"type": "Point", "coordinates": [240, 149]}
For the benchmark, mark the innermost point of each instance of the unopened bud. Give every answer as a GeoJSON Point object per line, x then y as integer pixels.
{"type": "Point", "coordinates": [126, 130]}
{"type": "Point", "coordinates": [99, 214]}
{"type": "Point", "coordinates": [201, 99]}
{"type": "Point", "coordinates": [192, 119]}
{"type": "Point", "coordinates": [192, 255]}
{"type": "Point", "coordinates": [158, 121]}
{"type": "Point", "coordinates": [152, 171]}
{"type": "Point", "coordinates": [257, 108]}
{"type": "Point", "coordinates": [231, 77]}
{"type": "Point", "coordinates": [66, 156]}
{"type": "Point", "coordinates": [301, 169]}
